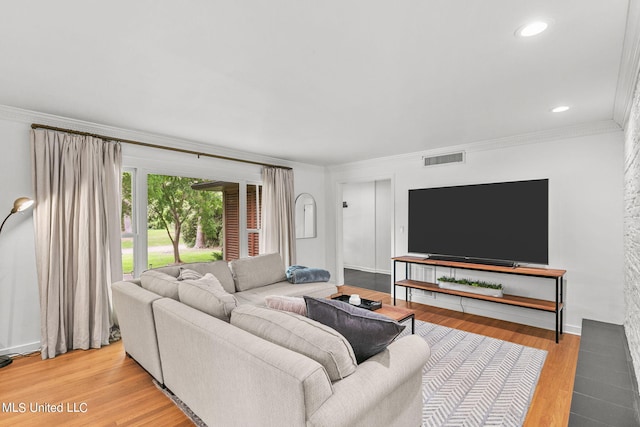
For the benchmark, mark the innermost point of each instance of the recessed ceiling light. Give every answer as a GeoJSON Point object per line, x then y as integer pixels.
{"type": "Point", "coordinates": [532, 29]}
{"type": "Point", "coordinates": [560, 109]}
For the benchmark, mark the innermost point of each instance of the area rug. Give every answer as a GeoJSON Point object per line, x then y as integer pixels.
{"type": "Point", "coordinates": [180, 404]}
{"type": "Point", "coordinates": [474, 380]}
{"type": "Point", "coordinates": [469, 380]}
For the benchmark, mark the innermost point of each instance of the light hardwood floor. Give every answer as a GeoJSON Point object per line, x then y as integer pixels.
{"type": "Point", "coordinates": [552, 400]}
{"type": "Point", "coordinates": [107, 388]}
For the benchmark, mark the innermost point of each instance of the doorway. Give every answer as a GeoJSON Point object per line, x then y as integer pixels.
{"type": "Point", "coordinates": [366, 234]}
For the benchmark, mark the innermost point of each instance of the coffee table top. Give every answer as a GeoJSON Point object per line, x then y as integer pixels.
{"type": "Point", "coordinates": [394, 312]}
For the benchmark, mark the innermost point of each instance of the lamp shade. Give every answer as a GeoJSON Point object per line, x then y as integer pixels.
{"type": "Point", "coordinates": [21, 204]}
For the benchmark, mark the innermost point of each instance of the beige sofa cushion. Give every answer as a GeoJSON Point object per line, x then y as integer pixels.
{"type": "Point", "coordinates": [160, 283]}
{"type": "Point", "coordinates": [256, 296]}
{"type": "Point", "coordinates": [258, 271]}
{"type": "Point", "coordinates": [171, 270]}
{"type": "Point", "coordinates": [300, 334]}
{"type": "Point", "coordinates": [207, 295]}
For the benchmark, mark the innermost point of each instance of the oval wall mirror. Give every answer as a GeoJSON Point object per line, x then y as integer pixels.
{"type": "Point", "coordinates": [305, 216]}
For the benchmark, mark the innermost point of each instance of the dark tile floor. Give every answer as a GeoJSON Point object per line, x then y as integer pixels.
{"type": "Point", "coordinates": [362, 279]}
{"type": "Point", "coordinates": [605, 392]}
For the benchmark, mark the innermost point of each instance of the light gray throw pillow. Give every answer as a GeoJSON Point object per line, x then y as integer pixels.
{"type": "Point", "coordinates": [207, 295]}
{"type": "Point", "coordinates": [300, 334]}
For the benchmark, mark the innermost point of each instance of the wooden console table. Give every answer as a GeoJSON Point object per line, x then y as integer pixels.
{"type": "Point", "coordinates": [556, 306]}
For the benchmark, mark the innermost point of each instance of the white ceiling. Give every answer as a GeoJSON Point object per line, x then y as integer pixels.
{"type": "Point", "coordinates": [321, 82]}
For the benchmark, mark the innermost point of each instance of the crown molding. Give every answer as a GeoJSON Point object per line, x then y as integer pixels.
{"type": "Point", "coordinates": [549, 135]}
{"type": "Point", "coordinates": [629, 66]}
{"type": "Point", "coordinates": [20, 115]}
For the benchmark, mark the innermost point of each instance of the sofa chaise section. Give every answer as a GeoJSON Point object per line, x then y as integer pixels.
{"type": "Point", "coordinates": [231, 377]}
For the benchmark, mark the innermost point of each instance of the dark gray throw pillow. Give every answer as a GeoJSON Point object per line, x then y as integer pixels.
{"type": "Point", "coordinates": [368, 333]}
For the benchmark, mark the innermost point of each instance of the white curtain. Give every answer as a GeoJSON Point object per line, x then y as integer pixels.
{"type": "Point", "coordinates": [77, 228]}
{"type": "Point", "coordinates": [278, 214]}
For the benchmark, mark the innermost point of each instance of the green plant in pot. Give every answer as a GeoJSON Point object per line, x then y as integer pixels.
{"type": "Point", "coordinates": [471, 285]}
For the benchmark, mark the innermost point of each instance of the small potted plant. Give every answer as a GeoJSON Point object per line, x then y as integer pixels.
{"type": "Point", "coordinates": [471, 286]}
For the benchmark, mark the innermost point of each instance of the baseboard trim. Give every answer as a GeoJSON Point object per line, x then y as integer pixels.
{"type": "Point", "coordinates": [21, 349]}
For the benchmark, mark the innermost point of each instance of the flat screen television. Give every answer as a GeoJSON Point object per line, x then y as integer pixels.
{"type": "Point", "coordinates": [498, 223]}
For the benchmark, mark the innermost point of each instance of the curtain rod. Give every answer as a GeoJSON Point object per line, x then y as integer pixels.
{"type": "Point", "coordinates": [161, 147]}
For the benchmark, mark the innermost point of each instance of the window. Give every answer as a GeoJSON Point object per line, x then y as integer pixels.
{"type": "Point", "coordinates": [183, 223]}
{"type": "Point", "coordinates": [188, 220]}
{"type": "Point", "coordinates": [127, 224]}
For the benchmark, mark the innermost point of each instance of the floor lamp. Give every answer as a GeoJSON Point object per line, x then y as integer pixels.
{"type": "Point", "coordinates": [19, 205]}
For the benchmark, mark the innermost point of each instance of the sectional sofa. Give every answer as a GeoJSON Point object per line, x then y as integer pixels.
{"type": "Point", "coordinates": [212, 342]}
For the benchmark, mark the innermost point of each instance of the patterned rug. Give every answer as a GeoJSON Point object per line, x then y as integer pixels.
{"type": "Point", "coordinates": [180, 404]}
{"type": "Point", "coordinates": [469, 380]}
{"type": "Point", "coordinates": [474, 380]}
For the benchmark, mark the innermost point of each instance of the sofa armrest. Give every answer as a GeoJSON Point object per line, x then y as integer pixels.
{"type": "Point", "coordinates": [230, 377]}
{"type": "Point", "coordinates": [385, 389]}
{"type": "Point", "coordinates": [133, 307]}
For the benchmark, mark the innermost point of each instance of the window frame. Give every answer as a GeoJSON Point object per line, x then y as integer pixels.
{"type": "Point", "coordinates": [139, 196]}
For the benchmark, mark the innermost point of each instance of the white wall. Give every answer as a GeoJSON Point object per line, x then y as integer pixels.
{"type": "Point", "coordinates": [19, 307]}
{"type": "Point", "coordinates": [585, 217]}
{"type": "Point", "coordinates": [632, 230]}
{"type": "Point", "coordinates": [384, 208]}
{"type": "Point", "coordinates": [19, 300]}
{"type": "Point", "coordinates": [311, 252]}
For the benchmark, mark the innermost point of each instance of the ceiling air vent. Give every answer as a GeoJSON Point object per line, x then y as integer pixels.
{"type": "Point", "coordinates": [444, 158]}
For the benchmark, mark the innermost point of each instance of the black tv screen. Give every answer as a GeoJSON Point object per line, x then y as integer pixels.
{"type": "Point", "coordinates": [507, 221]}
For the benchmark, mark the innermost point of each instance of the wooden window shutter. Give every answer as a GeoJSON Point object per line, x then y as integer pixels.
{"type": "Point", "coordinates": [231, 224]}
